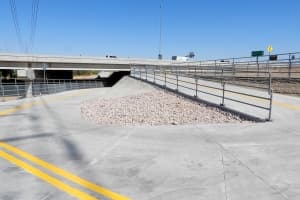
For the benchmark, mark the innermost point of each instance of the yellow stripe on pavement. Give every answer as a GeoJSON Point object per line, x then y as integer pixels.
{"type": "Point", "coordinates": [45, 177]}
{"type": "Point", "coordinates": [31, 104]}
{"type": "Point", "coordinates": [84, 183]}
{"type": "Point", "coordinates": [286, 105]}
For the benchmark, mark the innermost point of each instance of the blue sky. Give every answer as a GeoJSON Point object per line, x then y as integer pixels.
{"type": "Point", "coordinates": [130, 28]}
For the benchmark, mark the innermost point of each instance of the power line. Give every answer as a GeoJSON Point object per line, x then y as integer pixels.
{"type": "Point", "coordinates": [35, 7]}
{"type": "Point", "coordinates": [14, 14]}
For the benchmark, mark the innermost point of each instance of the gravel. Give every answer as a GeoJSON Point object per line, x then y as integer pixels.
{"type": "Point", "coordinates": [153, 108]}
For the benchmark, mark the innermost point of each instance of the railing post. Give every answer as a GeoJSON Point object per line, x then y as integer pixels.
{"type": "Point", "coordinates": [215, 68]}
{"type": "Point", "coordinates": [2, 87]}
{"type": "Point", "coordinates": [177, 78]}
{"type": "Point", "coordinates": [165, 78]}
{"type": "Point", "coordinates": [201, 68]}
{"type": "Point", "coordinates": [133, 72]}
{"type": "Point", "coordinates": [146, 73]}
{"type": "Point", "coordinates": [154, 72]}
{"type": "Point", "coordinates": [65, 86]}
{"type": "Point", "coordinates": [233, 66]}
{"type": "Point", "coordinates": [33, 88]}
{"type": "Point", "coordinates": [55, 89]}
{"type": "Point", "coordinates": [270, 106]}
{"type": "Point", "coordinates": [71, 87]}
{"type": "Point", "coordinates": [257, 66]}
{"type": "Point", "coordinates": [47, 86]}
{"type": "Point", "coordinates": [290, 66]}
{"type": "Point", "coordinates": [223, 93]}
{"type": "Point", "coordinates": [271, 96]}
{"type": "Point", "coordinates": [141, 73]}
{"type": "Point", "coordinates": [270, 83]}
{"type": "Point", "coordinates": [16, 86]}
{"type": "Point", "coordinates": [196, 84]}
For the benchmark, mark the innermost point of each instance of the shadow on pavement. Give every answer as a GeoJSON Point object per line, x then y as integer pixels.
{"type": "Point", "coordinates": [73, 152]}
{"type": "Point", "coordinates": [29, 137]}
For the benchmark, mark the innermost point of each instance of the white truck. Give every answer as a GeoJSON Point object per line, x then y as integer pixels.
{"type": "Point", "coordinates": [180, 58]}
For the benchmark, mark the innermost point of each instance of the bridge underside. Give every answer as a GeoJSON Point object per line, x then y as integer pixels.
{"type": "Point", "coordinates": [64, 66]}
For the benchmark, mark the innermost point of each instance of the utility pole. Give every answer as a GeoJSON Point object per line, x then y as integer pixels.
{"type": "Point", "coordinates": [160, 30]}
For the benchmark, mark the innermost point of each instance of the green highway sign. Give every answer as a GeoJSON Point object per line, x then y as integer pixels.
{"type": "Point", "coordinates": [257, 53]}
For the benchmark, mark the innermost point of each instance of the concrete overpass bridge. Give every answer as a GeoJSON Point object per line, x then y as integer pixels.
{"type": "Point", "coordinates": [37, 62]}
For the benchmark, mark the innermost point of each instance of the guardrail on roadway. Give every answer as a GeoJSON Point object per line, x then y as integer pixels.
{"type": "Point", "coordinates": [39, 87]}
{"type": "Point", "coordinates": [222, 88]}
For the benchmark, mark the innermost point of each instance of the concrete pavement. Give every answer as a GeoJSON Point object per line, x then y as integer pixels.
{"type": "Point", "coordinates": [232, 161]}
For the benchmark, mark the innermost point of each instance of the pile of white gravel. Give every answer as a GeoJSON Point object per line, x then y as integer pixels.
{"type": "Point", "coordinates": [157, 107]}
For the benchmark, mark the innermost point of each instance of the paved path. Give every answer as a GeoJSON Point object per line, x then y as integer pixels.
{"type": "Point", "coordinates": [231, 162]}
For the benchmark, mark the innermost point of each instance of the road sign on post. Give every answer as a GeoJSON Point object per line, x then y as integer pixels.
{"type": "Point", "coordinates": [270, 48]}
{"type": "Point", "coordinates": [257, 53]}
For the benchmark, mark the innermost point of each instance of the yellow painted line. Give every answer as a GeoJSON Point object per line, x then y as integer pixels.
{"type": "Point", "coordinates": [84, 183]}
{"type": "Point", "coordinates": [34, 103]}
{"type": "Point", "coordinates": [45, 177]}
{"type": "Point", "coordinates": [286, 105]}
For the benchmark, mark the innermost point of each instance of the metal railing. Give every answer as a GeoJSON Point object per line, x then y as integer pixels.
{"type": "Point", "coordinates": [39, 87]}
{"type": "Point", "coordinates": [286, 66]}
{"type": "Point", "coordinates": [219, 86]}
